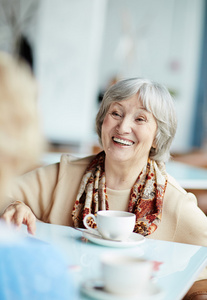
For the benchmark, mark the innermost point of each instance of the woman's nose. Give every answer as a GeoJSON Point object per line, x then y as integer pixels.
{"type": "Point", "coordinates": [124, 126]}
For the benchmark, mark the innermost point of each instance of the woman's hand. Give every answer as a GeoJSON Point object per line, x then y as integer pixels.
{"type": "Point", "coordinates": [18, 213]}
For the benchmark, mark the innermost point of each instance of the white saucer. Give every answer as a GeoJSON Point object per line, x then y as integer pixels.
{"type": "Point", "coordinates": [133, 240]}
{"type": "Point", "coordinates": [94, 288]}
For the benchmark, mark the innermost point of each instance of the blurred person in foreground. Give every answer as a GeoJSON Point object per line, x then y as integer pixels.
{"type": "Point", "coordinates": [21, 141]}
{"type": "Point", "coordinates": [21, 144]}
{"type": "Point", "coordinates": [136, 124]}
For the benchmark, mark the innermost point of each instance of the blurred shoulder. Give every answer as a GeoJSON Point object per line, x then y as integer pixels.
{"type": "Point", "coordinates": [72, 168]}
{"type": "Point", "coordinates": [68, 159]}
{"type": "Point", "coordinates": [72, 159]}
{"type": "Point", "coordinates": [173, 184]}
{"type": "Point", "coordinates": [175, 190]}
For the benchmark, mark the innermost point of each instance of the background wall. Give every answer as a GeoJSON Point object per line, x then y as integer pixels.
{"type": "Point", "coordinates": [79, 45]}
{"type": "Point", "coordinates": [67, 58]}
{"type": "Point", "coordinates": [160, 40]}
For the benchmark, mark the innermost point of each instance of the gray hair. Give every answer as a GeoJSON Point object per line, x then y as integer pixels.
{"type": "Point", "coordinates": [156, 99]}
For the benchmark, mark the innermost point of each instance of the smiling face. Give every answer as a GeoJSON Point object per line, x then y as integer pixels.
{"type": "Point", "coordinates": [128, 131]}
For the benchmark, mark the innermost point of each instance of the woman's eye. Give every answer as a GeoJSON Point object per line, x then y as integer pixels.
{"type": "Point", "coordinates": [116, 114]}
{"type": "Point", "coordinates": [140, 119]}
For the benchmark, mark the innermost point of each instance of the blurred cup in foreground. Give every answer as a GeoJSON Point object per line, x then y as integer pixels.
{"type": "Point", "coordinates": [126, 275]}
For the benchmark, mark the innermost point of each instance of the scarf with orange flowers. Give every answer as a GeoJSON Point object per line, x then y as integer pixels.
{"type": "Point", "coordinates": [146, 196]}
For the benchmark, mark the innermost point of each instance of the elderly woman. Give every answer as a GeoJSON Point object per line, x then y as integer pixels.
{"type": "Point", "coordinates": [136, 124]}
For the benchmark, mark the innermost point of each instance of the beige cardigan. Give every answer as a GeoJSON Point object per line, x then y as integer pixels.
{"type": "Point", "coordinates": [51, 192]}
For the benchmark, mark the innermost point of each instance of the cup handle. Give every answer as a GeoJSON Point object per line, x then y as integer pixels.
{"type": "Point", "coordinates": [86, 224]}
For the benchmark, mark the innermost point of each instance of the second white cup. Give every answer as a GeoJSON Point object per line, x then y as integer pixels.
{"type": "Point", "coordinates": [126, 275]}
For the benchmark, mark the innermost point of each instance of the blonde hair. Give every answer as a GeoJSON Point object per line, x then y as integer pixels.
{"type": "Point", "coordinates": [21, 141]}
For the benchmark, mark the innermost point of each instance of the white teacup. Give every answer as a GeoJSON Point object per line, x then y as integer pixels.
{"type": "Point", "coordinates": [112, 224]}
{"type": "Point", "coordinates": [126, 275]}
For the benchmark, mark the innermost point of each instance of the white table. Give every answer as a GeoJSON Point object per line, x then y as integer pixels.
{"type": "Point", "coordinates": [179, 264]}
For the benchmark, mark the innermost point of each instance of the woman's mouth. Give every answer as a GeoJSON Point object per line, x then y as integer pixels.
{"type": "Point", "coordinates": [122, 141]}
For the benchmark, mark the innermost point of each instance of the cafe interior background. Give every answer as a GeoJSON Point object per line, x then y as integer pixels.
{"type": "Point", "coordinates": [78, 48]}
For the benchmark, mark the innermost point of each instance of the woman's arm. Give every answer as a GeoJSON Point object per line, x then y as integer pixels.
{"type": "Point", "coordinates": [192, 223]}
{"type": "Point", "coordinates": [31, 197]}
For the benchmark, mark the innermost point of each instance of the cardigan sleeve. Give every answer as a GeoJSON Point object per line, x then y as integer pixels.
{"type": "Point", "coordinates": [191, 223]}
{"type": "Point", "coordinates": [50, 191]}
{"type": "Point", "coordinates": [35, 189]}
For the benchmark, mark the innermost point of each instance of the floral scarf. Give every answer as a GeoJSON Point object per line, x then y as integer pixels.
{"type": "Point", "coordinates": [146, 196]}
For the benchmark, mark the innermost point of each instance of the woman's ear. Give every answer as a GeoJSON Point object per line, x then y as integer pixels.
{"type": "Point", "coordinates": [156, 138]}
{"type": "Point", "coordinates": [154, 144]}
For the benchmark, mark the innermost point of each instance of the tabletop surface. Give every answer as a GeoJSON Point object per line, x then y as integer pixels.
{"type": "Point", "coordinates": [178, 265]}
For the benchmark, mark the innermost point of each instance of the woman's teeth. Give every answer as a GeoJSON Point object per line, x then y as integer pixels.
{"type": "Point", "coordinates": [123, 142]}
